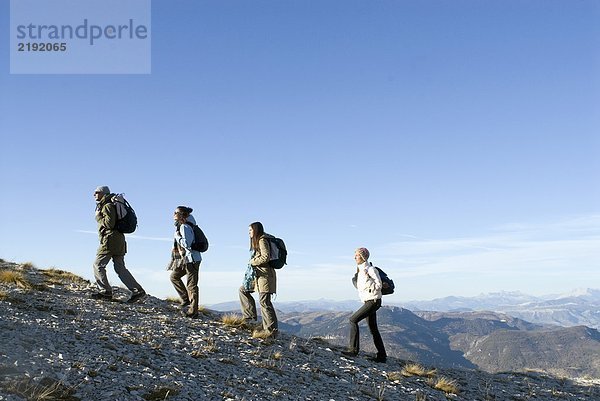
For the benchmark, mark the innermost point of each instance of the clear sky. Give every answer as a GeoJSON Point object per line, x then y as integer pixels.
{"type": "Point", "coordinates": [458, 140]}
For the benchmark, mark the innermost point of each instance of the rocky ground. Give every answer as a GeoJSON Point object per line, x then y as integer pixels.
{"type": "Point", "coordinates": [58, 344]}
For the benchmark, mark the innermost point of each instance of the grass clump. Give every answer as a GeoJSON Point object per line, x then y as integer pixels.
{"type": "Point", "coordinates": [173, 300]}
{"type": "Point", "coordinates": [262, 334]}
{"type": "Point", "coordinates": [12, 277]}
{"type": "Point", "coordinates": [27, 266]}
{"type": "Point", "coordinates": [444, 384]}
{"type": "Point", "coordinates": [414, 369]}
{"type": "Point", "coordinates": [56, 276]}
{"type": "Point", "coordinates": [46, 389]}
{"type": "Point", "coordinates": [394, 376]}
{"type": "Point", "coordinates": [233, 320]}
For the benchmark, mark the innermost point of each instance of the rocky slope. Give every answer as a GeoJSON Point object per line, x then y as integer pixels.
{"type": "Point", "coordinates": [58, 344]}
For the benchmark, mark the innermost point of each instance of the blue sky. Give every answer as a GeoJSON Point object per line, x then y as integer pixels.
{"type": "Point", "coordinates": [458, 141]}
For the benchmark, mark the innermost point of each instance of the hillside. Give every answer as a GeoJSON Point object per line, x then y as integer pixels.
{"type": "Point", "coordinates": [58, 344]}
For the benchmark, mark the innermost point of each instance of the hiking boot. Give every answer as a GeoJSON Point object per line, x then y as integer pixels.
{"type": "Point", "coordinates": [349, 353]}
{"type": "Point", "coordinates": [136, 296]}
{"type": "Point", "coordinates": [190, 314]}
{"type": "Point", "coordinates": [104, 296]}
{"type": "Point", "coordinates": [378, 359]}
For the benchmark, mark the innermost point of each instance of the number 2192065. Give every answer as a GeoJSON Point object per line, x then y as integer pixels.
{"type": "Point", "coordinates": [41, 47]}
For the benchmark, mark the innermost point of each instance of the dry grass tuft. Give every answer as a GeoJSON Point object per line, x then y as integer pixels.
{"type": "Point", "coordinates": [204, 310]}
{"type": "Point", "coordinates": [27, 266]}
{"type": "Point", "coordinates": [3, 296]}
{"type": "Point", "coordinates": [277, 355]}
{"type": "Point", "coordinates": [173, 300]}
{"type": "Point", "coordinates": [46, 389]}
{"type": "Point", "coordinates": [261, 334]}
{"type": "Point", "coordinates": [444, 384]}
{"type": "Point", "coordinates": [233, 320]}
{"type": "Point", "coordinates": [14, 277]}
{"type": "Point", "coordinates": [394, 376]}
{"type": "Point", "coordinates": [56, 276]}
{"type": "Point", "coordinates": [414, 369]}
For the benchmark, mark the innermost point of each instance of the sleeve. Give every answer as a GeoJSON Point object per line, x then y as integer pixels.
{"type": "Point", "coordinates": [374, 275]}
{"type": "Point", "coordinates": [262, 256]}
{"type": "Point", "coordinates": [185, 241]}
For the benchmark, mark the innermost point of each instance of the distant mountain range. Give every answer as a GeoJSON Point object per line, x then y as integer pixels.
{"type": "Point", "coordinates": [504, 331]}
{"type": "Point", "coordinates": [489, 341]}
{"type": "Point", "coordinates": [578, 308]}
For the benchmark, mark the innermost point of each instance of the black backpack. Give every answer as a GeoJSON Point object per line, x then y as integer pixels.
{"type": "Point", "coordinates": [200, 242]}
{"type": "Point", "coordinates": [277, 253]}
{"type": "Point", "coordinates": [387, 284]}
{"type": "Point", "coordinates": [126, 218]}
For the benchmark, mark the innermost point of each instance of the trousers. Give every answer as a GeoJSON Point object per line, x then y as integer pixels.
{"type": "Point", "coordinates": [189, 293]}
{"type": "Point", "coordinates": [248, 306]}
{"type": "Point", "coordinates": [124, 275]}
{"type": "Point", "coordinates": [367, 311]}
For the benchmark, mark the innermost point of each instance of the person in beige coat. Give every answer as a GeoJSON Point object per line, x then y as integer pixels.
{"type": "Point", "coordinates": [260, 278]}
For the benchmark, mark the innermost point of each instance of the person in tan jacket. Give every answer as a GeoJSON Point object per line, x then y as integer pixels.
{"type": "Point", "coordinates": [260, 278]}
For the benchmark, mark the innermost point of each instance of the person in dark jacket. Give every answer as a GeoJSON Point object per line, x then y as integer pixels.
{"type": "Point", "coordinates": [112, 246]}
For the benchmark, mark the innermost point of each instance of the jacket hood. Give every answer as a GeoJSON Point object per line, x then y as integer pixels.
{"type": "Point", "coordinates": [191, 219]}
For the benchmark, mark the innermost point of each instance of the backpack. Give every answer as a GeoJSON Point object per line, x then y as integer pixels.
{"type": "Point", "coordinates": [387, 284]}
{"type": "Point", "coordinates": [126, 218]}
{"type": "Point", "coordinates": [200, 242]}
{"type": "Point", "coordinates": [277, 253]}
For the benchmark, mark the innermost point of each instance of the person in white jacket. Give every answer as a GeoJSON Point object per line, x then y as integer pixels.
{"type": "Point", "coordinates": [368, 284]}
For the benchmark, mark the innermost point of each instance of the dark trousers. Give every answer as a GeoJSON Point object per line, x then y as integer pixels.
{"type": "Point", "coordinates": [368, 311]}
{"type": "Point", "coordinates": [189, 294]}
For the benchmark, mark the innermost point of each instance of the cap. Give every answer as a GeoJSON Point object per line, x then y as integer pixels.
{"type": "Point", "coordinates": [364, 252]}
{"type": "Point", "coordinates": [103, 189]}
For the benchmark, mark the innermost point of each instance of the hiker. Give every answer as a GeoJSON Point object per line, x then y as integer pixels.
{"type": "Point", "coordinates": [260, 277]}
{"type": "Point", "coordinates": [369, 286]}
{"type": "Point", "coordinates": [112, 246]}
{"type": "Point", "coordinates": [185, 261]}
